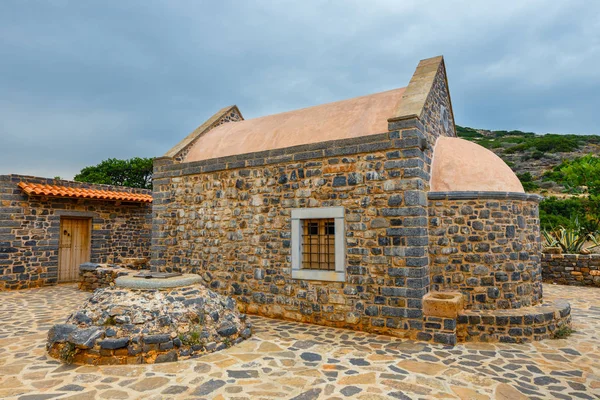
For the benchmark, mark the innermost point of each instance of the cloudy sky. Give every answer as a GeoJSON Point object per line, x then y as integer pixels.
{"type": "Point", "coordinates": [82, 81]}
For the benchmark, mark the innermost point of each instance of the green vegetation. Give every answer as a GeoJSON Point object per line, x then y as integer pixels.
{"type": "Point", "coordinates": [563, 332]}
{"type": "Point", "coordinates": [570, 240]}
{"type": "Point", "coordinates": [67, 353]}
{"type": "Point", "coordinates": [467, 133]}
{"type": "Point", "coordinates": [470, 133]}
{"type": "Point", "coordinates": [556, 212]}
{"type": "Point", "coordinates": [527, 181]}
{"type": "Point", "coordinates": [579, 175]}
{"type": "Point", "coordinates": [547, 143]}
{"type": "Point", "coordinates": [135, 172]}
{"type": "Point", "coordinates": [192, 337]}
{"type": "Point", "coordinates": [577, 213]}
{"type": "Point", "coordinates": [521, 142]}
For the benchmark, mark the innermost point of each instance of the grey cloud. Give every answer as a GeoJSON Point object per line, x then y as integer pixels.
{"type": "Point", "coordinates": [83, 81]}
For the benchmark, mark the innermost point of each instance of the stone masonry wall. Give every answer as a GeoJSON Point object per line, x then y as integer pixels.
{"type": "Point", "coordinates": [30, 227]}
{"type": "Point", "coordinates": [487, 246]}
{"type": "Point", "coordinates": [438, 101]}
{"type": "Point", "coordinates": [229, 220]}
{"type": "Point", "coordinates": [514, 326]}
{"type": "Point", "coordinates": [431, 121]}
{"type": "Point", "coordinates": [571, 269]}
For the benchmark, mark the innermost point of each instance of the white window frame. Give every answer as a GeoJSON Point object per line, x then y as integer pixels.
{"type": "Point", "coordinates": [337, 213]}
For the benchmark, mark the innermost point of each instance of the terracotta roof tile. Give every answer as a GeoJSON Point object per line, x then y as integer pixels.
{"type": "Point", "coordinates": [82, 193]}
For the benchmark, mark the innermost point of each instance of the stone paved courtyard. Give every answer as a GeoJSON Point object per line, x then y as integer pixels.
{"type": "Point", "coordinates": [291, 360]}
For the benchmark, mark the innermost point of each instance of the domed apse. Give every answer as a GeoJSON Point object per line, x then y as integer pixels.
{"type": "Point", "coordinates": [460, 166]}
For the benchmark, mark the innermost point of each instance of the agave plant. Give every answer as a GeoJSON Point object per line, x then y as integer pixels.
{"type": "Point", "coordinates": [570, 240]}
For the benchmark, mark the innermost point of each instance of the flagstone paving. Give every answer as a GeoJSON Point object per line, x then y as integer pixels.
{"type": "Point", "coordinates": [298, 361]}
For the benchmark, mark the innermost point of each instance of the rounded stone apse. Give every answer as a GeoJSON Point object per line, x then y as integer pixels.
{"type": "Point", "coordinates": [150, 318]}
{"type": "Point", "coordinates": [484, 246]}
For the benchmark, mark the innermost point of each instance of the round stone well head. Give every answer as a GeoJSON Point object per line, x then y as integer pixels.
{"type": "Point", "coordinates": [149, 320]}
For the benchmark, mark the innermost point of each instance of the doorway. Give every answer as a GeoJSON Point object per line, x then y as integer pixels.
{"type": "Point", "coordinates": [74, 247]}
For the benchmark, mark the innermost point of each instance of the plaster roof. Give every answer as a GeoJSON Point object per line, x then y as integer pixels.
{"type": "Point", "coordinates": [460, 165]}
{"type": "Point", "coordinates": [360, 116]}
{"type": "Point", "coordinates": [92, 194]}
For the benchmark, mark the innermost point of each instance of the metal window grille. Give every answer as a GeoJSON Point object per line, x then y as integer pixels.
{"type": "Point", "coordinates": [318, 244]}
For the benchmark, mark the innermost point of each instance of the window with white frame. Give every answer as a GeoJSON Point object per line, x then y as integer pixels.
{"type": "Point", "coordinates": [318, 244]}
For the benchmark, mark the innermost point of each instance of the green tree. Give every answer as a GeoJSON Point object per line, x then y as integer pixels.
{"type": "Point", "coordinates": [135, 172]}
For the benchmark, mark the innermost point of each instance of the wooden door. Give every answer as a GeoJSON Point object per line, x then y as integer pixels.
{"type": "Point", "coordinates": [74, 247]}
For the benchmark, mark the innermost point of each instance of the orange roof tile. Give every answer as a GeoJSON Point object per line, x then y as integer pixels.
{"type": "Point", "coordinates": [82, 193]}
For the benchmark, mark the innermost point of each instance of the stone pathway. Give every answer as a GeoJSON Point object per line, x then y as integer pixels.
{"type": "Point", "coordinates": [297, 361]}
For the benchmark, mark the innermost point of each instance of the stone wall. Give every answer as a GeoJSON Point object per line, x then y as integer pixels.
{"type": "Point", "coordinates": [94, 276]}
{"type": "Point", "coordinates": [487, 245]}
{"type": "Point", "coordinates": [30, 227]}
{"type": "Point", "coordinates": [228, 219]}
{"type": "Point", "coordinates": [523, 325]}
{"type": "Point", "coordinates": [571, 269]}
{"type": "Point", "coordinates": [437, 115]}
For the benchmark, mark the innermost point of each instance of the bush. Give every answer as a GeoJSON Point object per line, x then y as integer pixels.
{"type": "Point", "coordinates": [468, 133]}
{"type": "Point", "coordinates": [549, 143]}
{"type": "Point", "coordinates": [574, 212]}
{"type": "Point", "coordinates": [579, 175]}
{"type": "Point", "coordinates": [527, 182]}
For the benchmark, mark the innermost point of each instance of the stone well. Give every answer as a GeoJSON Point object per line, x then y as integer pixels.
{"type": "Point", "coordinates": [144, 321]}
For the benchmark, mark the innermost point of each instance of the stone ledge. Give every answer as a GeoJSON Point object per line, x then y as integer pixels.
{"type": "Point", "coordinates": [514, 326]}
{"type": "Point", "coordinates": [93, 276]}
{"type": "Point", "coordinates": [89, 266]}
{"type": "Point", "coordinates": [477, 195]}
{"type": "Point", "coordinates": [131, 282]}
{"type": "Point", "coordinates": [406, 139]}
{"type": "Point", "coordinates": [566, 256]}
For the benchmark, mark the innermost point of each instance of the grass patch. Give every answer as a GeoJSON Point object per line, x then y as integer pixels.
{"type": "Point", "coordinates": [563, 332]}
{"type": "Point", "coordinates": [192, 337]}
{"type": "Point", "coordinates": [67, 353]}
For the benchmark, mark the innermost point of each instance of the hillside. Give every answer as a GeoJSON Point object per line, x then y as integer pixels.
{"type": "Point", "coordinates": [531, 155]}
{"type": "Point", "coordinates": [565, 169]}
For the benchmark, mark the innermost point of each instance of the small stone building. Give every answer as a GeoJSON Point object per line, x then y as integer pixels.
{"type": "Point", "coordinates": [49, 227]}
{"type": "Point", "coordinates": [352, 214]}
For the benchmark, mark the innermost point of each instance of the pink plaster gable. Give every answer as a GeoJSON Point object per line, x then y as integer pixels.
{"type": "Point", "coordinates": [460, 165]}
{"type": "Point", "coordinates": [361, 116]}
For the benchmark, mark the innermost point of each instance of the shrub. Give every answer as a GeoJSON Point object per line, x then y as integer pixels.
{"type": "Point", "coordinates": [527, 181]}
{"type": "Point", "coordinates": [574, 212]}
{"type": "Point", "coordinates": [549, 143]}
{"type": "Point", "coordinates": [579, 175]}
{"type": "Point", "coordinates": [466, 132]}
